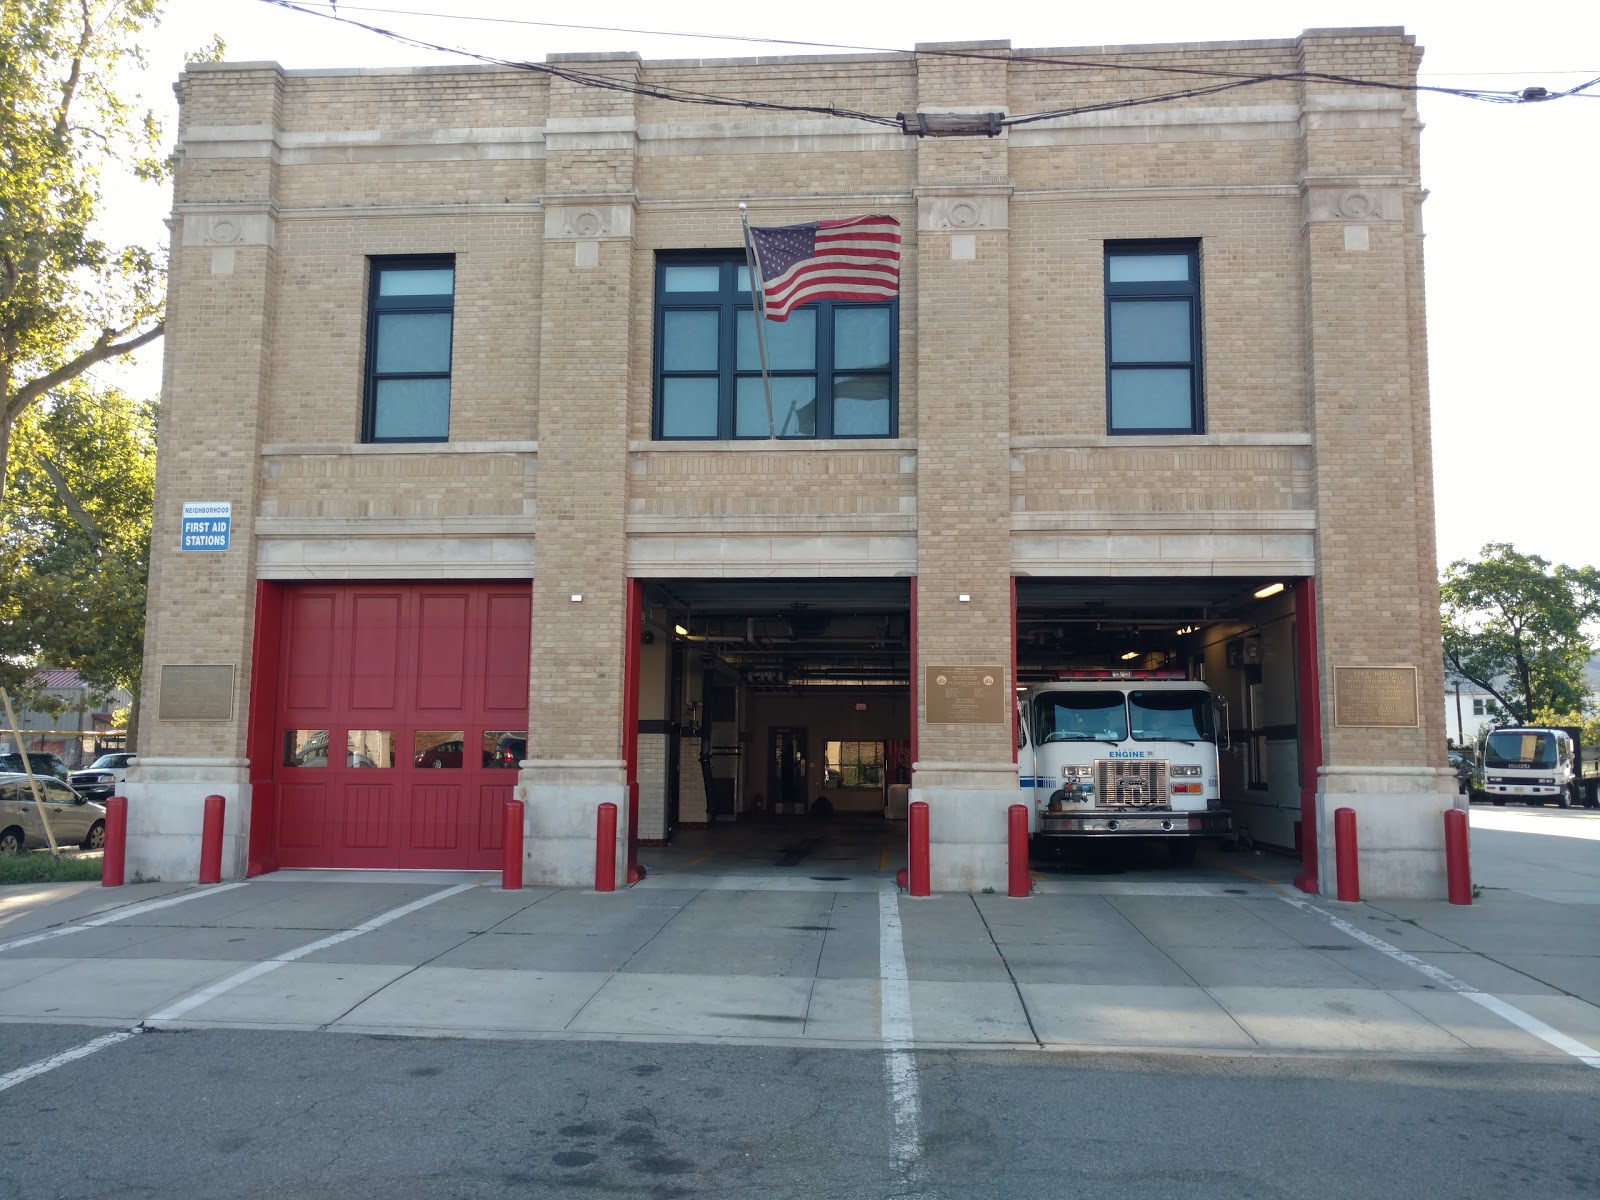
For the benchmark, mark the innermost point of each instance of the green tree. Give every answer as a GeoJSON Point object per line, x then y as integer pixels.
{"type": "Point", "coordinates": [68, 300]}
{"type": "Point", "coordinates": [1519, 627]}
{"type": "Point", "coordinates": [75, 541]}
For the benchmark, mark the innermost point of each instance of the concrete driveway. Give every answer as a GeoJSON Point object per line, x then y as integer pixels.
{"type": "Point", "coordinates": [823, 951]}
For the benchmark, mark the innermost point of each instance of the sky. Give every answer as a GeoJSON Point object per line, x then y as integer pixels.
{"type": "Point", "coordinates": [1512, 250]}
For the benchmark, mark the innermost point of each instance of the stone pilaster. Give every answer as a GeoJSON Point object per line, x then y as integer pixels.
{"type": "Point", "coordinates": [963, 323]}
{"type": "Point", "coordinates": [1368, 394]}
{"type": "Point", "coordinates": [576, 676]}
{"type": "Point", "coordinates": [221, 314]}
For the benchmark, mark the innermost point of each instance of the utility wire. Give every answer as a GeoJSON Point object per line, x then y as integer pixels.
{"type": "Point", "coordinates": [1232, 79]}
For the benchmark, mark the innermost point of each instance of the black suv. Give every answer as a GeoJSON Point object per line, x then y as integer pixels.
{"type": "Point", "coordinates": [42, 762]}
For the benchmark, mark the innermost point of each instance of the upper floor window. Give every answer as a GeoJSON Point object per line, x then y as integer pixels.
{"type": "Point", "coordinates": [1153, 338]}
{"type": "Point", "coordinates": [831, 366]}
{"type": "Point", "coordinates": [411, 308]}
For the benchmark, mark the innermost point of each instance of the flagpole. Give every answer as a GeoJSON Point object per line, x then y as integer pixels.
{"type": "Point", "coordinates": [758, 306]}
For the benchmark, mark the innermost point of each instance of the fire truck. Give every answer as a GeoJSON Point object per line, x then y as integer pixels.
{"type": "Point", "coordinates": [1123, 754]}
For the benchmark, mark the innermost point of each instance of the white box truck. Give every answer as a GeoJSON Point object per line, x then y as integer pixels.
{"type": "Point", "coordinates": [1538, 765]}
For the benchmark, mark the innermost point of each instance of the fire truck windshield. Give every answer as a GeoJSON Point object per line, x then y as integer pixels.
{"type": "Point", "coordinates": [1081, 717]}
{"type": "Point", "coordinates": [1171, 716]}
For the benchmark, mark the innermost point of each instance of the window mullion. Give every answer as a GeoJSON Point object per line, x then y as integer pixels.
{"type": "Point", "coordinates": [825, 369]}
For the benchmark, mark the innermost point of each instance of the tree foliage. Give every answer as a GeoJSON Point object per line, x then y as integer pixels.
{"type": "Point", "coordinates": [69, 300]}
{"type": "Point", "coordinates": [1521, 629]}
{"type": "Point", "coordinates": [75, 541]}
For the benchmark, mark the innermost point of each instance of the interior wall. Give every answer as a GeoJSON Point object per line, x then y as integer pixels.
{"type": "Point", "coordinates": [1261, 696]}
{"type": "Point", "coordinates": [655, 663]}
{"type": "Point", "coordinates": [829, 717]}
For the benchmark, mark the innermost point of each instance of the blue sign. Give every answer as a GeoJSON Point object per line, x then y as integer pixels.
{"type": "Point", "coordinates": [207, 526]}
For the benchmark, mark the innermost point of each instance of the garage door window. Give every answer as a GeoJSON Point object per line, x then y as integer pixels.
{"type": "Point", "coordinates": [369, 748]}
{"type": "Point", "coordinates": [438, 748]}
{"type": "Point", "coordinates": [504, 749]}
{"type": "Point", "coordinates": [305, 747]}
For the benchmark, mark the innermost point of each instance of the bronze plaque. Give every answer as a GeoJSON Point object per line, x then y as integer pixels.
{"type": "Point", "coordinates": [966, 696]}
{"type": "Point", "coordinates": [197, 693]}
{"type": "Point", "coordinates": [1375, 697]}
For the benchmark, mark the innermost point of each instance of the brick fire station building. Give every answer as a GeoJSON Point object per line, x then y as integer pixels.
{"type": "Point", "coordinates": [463, 404]}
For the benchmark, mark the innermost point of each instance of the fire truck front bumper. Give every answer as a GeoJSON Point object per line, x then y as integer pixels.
{"type": "Point", "coordinates": [1161, 823]}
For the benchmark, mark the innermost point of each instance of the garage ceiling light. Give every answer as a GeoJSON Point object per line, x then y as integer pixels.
{"type": "Point", "coordinates": [680, 631]}
{"type": "Point", "coordinates": [1130, 654]}
{"type": "Point", "coordinates": [1272, 589]}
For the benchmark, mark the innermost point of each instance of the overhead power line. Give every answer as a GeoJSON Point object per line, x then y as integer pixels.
{"type": "Point", "coordinates": [1229, 79]}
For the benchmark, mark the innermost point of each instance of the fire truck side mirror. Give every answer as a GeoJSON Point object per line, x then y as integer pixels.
{"type": "Point", "coordinates": [1221, 703]}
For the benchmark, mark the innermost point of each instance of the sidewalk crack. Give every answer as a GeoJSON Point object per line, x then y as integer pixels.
{"type": "Point", "coordinates": [1010, 974]}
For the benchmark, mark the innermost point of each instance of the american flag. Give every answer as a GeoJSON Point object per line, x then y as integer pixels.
{"type": "Point", "coordinates": [857, 258]}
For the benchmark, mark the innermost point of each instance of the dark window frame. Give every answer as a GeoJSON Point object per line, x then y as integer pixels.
{"type": "Point", "coordinates": [378, 305]}
{"type": "Point", "coordinates": [728, 302]}
{"type": "Point", "coordinates": [1190, 290]}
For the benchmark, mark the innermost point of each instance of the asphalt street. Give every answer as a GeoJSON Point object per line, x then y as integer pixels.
{"type": "Point", "coordinates": [248, 1115]}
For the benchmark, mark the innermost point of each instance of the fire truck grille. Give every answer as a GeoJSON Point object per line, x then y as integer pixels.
{"type": "Point", "coordinates": [1131, 783]}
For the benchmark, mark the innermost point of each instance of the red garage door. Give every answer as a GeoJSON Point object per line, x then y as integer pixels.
{"type": "Point", "coordinates": [401, 717]}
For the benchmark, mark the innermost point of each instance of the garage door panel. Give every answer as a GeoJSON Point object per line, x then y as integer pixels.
{"type": "Point", "coordinates": [302, 815]}
{"type": "Point", "coordinates": [309, 653]}
{"type": "Point", "coordinates": [441, 641]}
{"type": "Point", "coordinates": [492, 799]}
{"type": "Point", "coordinates": [505, 654]}
{"type": "Point", "coordinates": [436, 816]}
{"type": "Point", "coordinates": [376, 669]}
{"type": "Point", "coordinates": [367, 816]}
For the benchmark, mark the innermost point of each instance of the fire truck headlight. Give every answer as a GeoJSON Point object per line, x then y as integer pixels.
{"type": "Point", "coordinates": [1186, 769]}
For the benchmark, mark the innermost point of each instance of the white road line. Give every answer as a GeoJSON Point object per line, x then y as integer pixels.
{"type": "Point", "coordinates": [1524, 1021]}
{"type": "Point", "coordinates": [894, 1020]}
{"type": "Point", "coordinates": [255, 971]}
{"type": "Point", "coordinates": [132, 910]}
{"type": "Point", "coordinates": [176, 1009]}
{"type": "Point", "coordinates": [23, 1074]}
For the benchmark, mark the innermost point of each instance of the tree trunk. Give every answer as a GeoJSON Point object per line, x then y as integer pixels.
{"type": "Point", "coordinates": [5, 454]}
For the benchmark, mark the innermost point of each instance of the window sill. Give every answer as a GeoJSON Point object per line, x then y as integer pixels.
{"type": "Point", "coordinates": [299, 448]}
{"type": "Point", "coordinates": [1051, 441]}
{"type": "Point", "coordinates": [769, 446]}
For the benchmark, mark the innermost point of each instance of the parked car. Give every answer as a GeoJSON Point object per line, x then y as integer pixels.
{"type": "Point", "coordinates": [98, 781]}
{"type": "Point", "coordinates": [74, 820]}
{"type": "Point", "coordinates": [42, 761]}
{"type": "Point", "coordinates": [444, 754]}
{"type": "Point", "coordinates": [508, 752]}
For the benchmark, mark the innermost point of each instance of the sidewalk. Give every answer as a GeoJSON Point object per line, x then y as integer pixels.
{"type": "Point", "coordinates": [1225, 958]}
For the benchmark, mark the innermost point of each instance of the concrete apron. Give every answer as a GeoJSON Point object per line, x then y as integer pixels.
{"type": "Point", "coordinates": [1399, 828]}
{"type": "Point", "coordinates": [166, 804]}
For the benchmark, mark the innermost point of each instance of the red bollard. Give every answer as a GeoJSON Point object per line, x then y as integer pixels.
{"type": "Point", "coordinates": [1019, 882]}
{"type": "Point", "coordinates": [116, 849]}
{"type": "Point", "coordinates": [511, 847]}
{"type": "Point", "coordinates": [605, 849]}
{"type": "Point", "coordinates": [1457, 857]}
{"type": "Point", "coordinates": [211, 840]}
{"type": "Point", "coordinates": [1347, 868]}
{"type": "Point", "coordinates": [917, 833]}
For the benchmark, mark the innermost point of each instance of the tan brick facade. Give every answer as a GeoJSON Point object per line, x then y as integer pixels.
{"type": "Point", "coordinates": [555, 198]}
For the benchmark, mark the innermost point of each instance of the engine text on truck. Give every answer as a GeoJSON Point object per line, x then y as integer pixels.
{"type": "Point", "coordinates": [1122, 754]}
